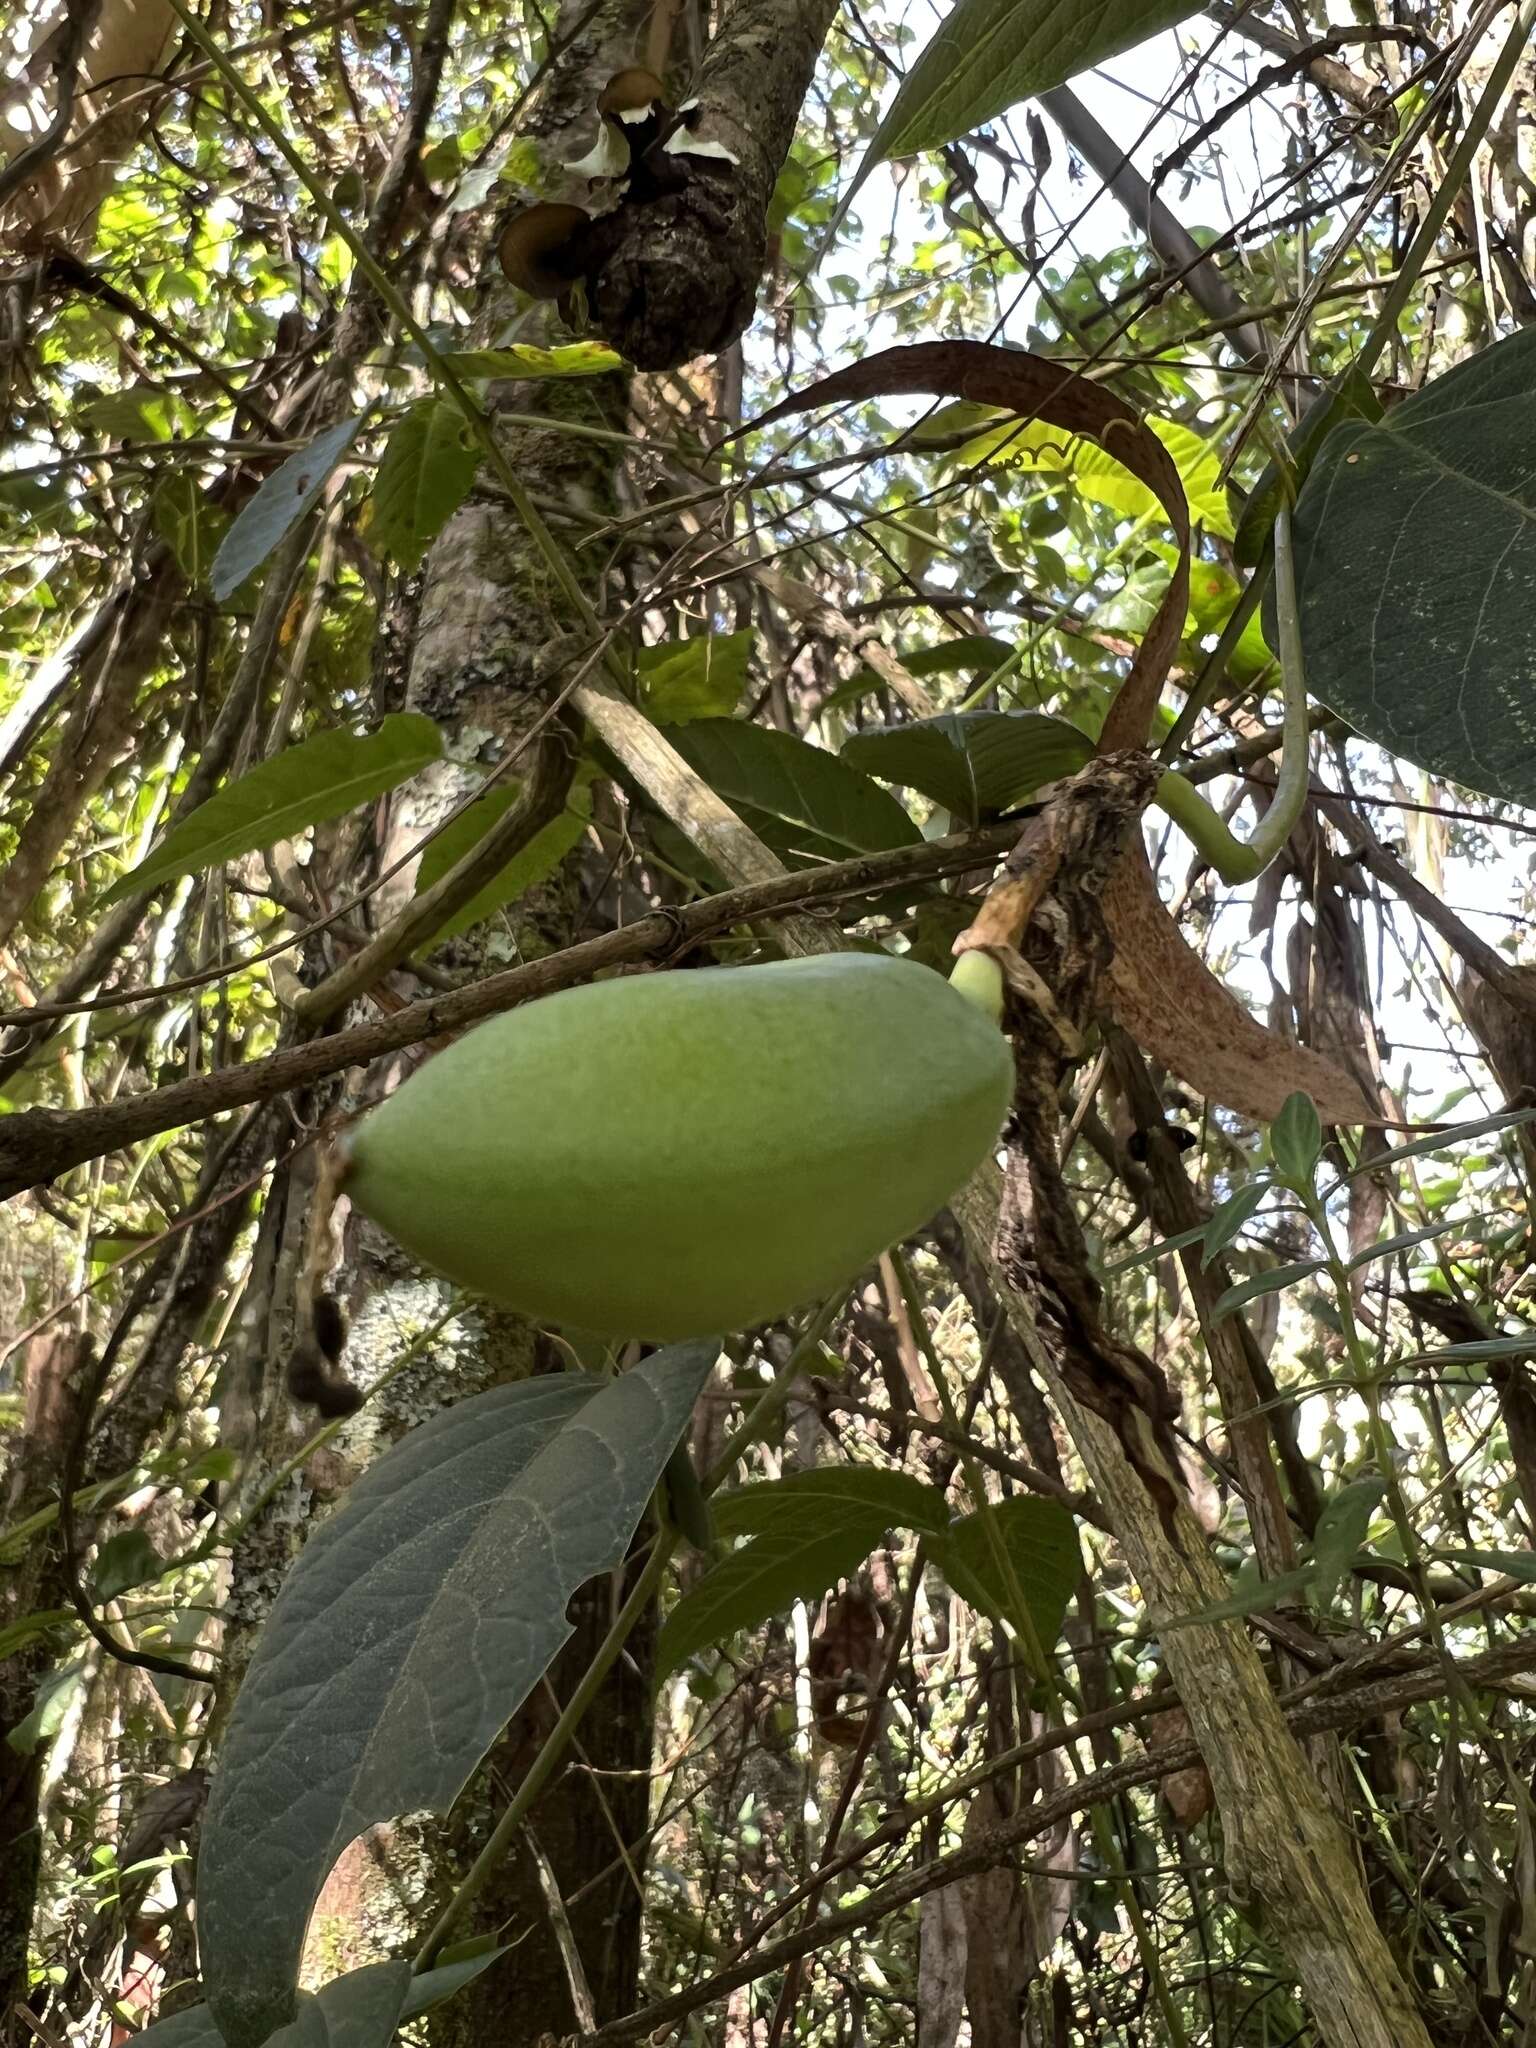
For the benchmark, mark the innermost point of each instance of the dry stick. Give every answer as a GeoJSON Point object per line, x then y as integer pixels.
{"type": "Point", "coordinates": [997, 1843]}
{"type": "Point", "coordinates": [36, 1145]}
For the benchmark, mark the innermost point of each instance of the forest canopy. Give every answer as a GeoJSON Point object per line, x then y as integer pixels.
{"type": "Point", "coordinates": [768, 1062]}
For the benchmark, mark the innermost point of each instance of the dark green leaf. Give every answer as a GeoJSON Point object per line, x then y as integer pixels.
{"type": "Point", "coordinates": [808, 805]}
{"type": "Point", "coordinates": [1440, 1141]}
{"type": "Point", "coordinates": [1296, 1139]}
{"type": "Point", "coordinates": [1253, 1596]}
{"type": "Point", "coordinates": [360, 2010]}
{"type": "Point", "coordinates": [1416, 557]}
{"type": "Point", "coordinates": [524, 871]}
{"type": "Point", "coordinates": [1340, 1532]}
{"type": "Point", "coordinates": [807, 1531]}
{"type": "Point", "coordinates": [1268, 1282]}
{"type": "Point", "coordinates": [1351, 398]}
{"type": "Point", "coordinates": [455, 1968]}
{"type": "Point", "coordinates": [427, 468]}
{"type": "Point", "coordinates": [190, 523]}
{"type": "Point", "coordinates": [1509, 1564]}
{"type": "Point", "coordinates": [969, 654]}
{"type": "Point", "coordinates": [283, 498]}
{"type": "Point", "coordinates": [1040, 1538]}
{"type": "Point", "coordinates": [1228, 1220]}
{"type": "Point", "coordinates": [972, 762]}
{"type": "Point", "coordinates": [318, 779]}
{"type": "Point", "coordinates": [124, 1560]}
{"type": "Point", "coordinates": [414, 1624]}
{"type": "Point", "coordinates": [704, 677]}
{"type": "Point", "coordinates": [990, 54]}
{"type": "Point", "coordinates": [30, 1628]}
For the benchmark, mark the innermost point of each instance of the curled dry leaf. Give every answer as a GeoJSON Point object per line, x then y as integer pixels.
{"type": "Point", "coordinates": [1157, 987]}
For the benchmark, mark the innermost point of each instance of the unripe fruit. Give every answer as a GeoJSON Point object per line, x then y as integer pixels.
{"type": "Point", "coordinates": [675, 1154]}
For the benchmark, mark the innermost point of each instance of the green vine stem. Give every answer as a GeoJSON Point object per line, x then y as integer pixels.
{"type": "Point", "coordinates": [1244, 860]}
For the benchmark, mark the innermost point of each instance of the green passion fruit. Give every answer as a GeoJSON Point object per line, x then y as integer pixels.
{"type": "Point", "coordinates": [672, 1154]}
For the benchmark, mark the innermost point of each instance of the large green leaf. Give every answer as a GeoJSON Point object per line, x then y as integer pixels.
{"type": "Point", "coordinates": [414, 1624]}
{"type": "Point", "coordinates": [318, 779]}
{"type": "Point", "coordinates": [427, 468]}
{"type": "Point", "coordinates": [1040, 1539]}
{"type": "Point", "coordinates": [284, 497]}
{"type": "Point", "coordinates": [808, 1531]}
{"type": "Point", "coordinates": [524, 871]}
{"type": "Point", "coordinates": [990, 54]}
{"type": "Point", "coordinates": [701, 677]}
{"type": "Point", "coordinates": [520, 359]}
{"type": "Point", "coordinates": [808, 805]}
{"type": "Point", "coordinates": [344, 2003]}
{"type": "Point", "coordinates": [1416, 558]}
{"type": "Point", "coordinates": [363, 2009]}
{"type": "Point", "coordinates": [972, 762]}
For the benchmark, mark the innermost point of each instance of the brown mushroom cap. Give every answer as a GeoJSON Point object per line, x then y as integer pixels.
{"type": "Point", "coordinates": [541, 248]}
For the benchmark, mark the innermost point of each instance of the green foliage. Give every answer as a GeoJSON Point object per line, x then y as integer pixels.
{"type": "Point", "coordinates": [701, 677]}
{"type": "Point", "coordinates": [972, 762]}
{"type": "Point", "coordinates": [806, 1531]}
{"type": "Point", "coordinates": [320, 778]}
{"type": "Point", "coordinates": [990, 54]}
{"type": "Point", "coordinates": [538, 860]}
{"type": "Point", "coordinates": [807, 804]}
{"type": "Point", "coordinates": [466, 1541]}
{"type": "Point", "coordinates": [428, 466]}
{"type": "Point", "coordinates": [1416, 543]}
{"type": "Point", "coordinates": [282, 500]}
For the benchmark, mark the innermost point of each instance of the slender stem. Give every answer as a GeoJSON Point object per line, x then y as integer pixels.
{"type": "Point", "coordinates": [1239, 860]}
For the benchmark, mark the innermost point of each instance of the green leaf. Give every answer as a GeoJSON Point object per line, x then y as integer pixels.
{"type": "Point", "coordinates": [427, 468]}
{"type": "Point", "coordinates": [1388, 1247]}
{"type": "Point", "coordinates": [1296, 1139]}
{"type": "Point", "coordinates": [29, 1628]}
{"type": "Point", "coordinates": [1416, 556]}
{"type": "Point", "coordinates": [1351, 398]}
{"type": "Point", "coordinates": [971, 762]}
{"type": "Point", "coordinates": [363, 2009]}
{"type": "Point", "coordinates": [1340, 1532]}
{"type": "Point", "coordinates": [318, 779]}
{"type": "Point", "coordinates": [1509, 1564]}
{"type": "Point", "coordinates": [807, 804]}
{"type": "Point", "coordinates": [1228, 1220]}
{"type": "Point", "coordinates": [56, 1693]}
{"type": "Point", "coordinates": [968, 654]}
{"type": "Point", "coordinates": [574, 359]}
{"type": "Point", "coordinates": [331, 2025]}
{"type": "Point", "coordinates": [1040, 1538]}
{"type": "Point", "coordinates": [193, 2028]}
{"type": "Point", "coordinates": [1271, 1281]}
{"type": "Point", "coordinates": [124, 1560]}
{"type": "Point", "coordinates": [990, 54]}
{"type": "Point", "coordinates": [702, 677]}
{"type": "Point", "coordinates": [283, 498]}
{"type": "Point", "coordinates": [1439, 1141]}
{"type": "Point", "coordinates": [456, 1967]}
{"type": "Point", "coordinates": [414, 1624]}
{"type": "Point", "coordinates": [1252, 1596]}
{"type": "Point", "coordinates": [524, 871]}
{"type": "Point", "coordinates": [190, 524]}
{"type": "Point", "coordinates": [1035, 446]}
{"type": "Point", "coordinates": [808, 1531]}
